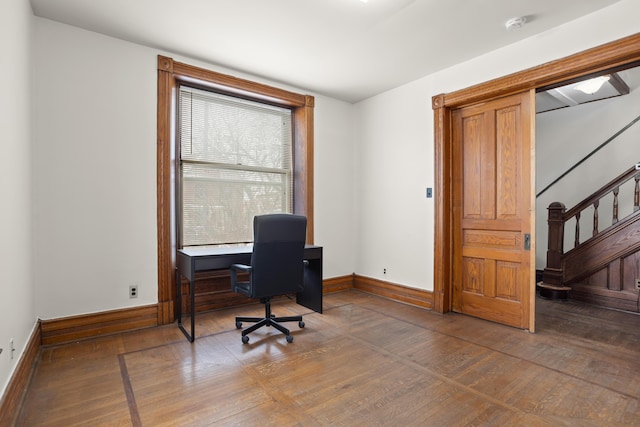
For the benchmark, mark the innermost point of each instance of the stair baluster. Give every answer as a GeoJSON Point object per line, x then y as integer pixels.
{"type": "Point", "coordinates": [576, 242]}
{"type": "Point", "coordinates": [615, 205]}
{"type": "Point", "coordinates": [636, 194]}
{"type": "Point", "coordinates": [595, 217]}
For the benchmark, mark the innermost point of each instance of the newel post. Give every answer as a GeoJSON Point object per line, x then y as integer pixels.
{"type": "Point", "coordinates": [553, 273]}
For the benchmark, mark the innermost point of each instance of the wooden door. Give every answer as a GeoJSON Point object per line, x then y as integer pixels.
{"type": "Point", "coordinates": [493, 216]}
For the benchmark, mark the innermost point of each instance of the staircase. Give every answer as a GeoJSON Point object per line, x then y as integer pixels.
{"type": "Point", "coordinates": [603, 269]}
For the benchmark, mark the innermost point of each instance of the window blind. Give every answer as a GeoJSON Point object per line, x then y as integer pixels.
{"type": "Point", "coordinates": [235, 162]}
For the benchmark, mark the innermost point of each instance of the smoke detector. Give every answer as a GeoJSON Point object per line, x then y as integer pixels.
{"type": "Point", "coordinates": [515, 23]}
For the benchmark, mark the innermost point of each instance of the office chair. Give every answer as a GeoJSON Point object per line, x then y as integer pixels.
{"type": "Point", "coordinates": [277, 268]}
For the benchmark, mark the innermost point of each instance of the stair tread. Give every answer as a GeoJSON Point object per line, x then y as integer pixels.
{"type": "Point", "coordinates": [556, 287]}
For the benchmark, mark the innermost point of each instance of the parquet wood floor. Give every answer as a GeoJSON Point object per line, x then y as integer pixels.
{"type": "Point", "coordinates": [366, 361]}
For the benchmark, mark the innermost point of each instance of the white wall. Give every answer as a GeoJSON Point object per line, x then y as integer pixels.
{"type": "Point", "coordinates": [566, 136]}
{"type": "Point", "coordinates": [16, 286]}
{"type": "Point", "coordinates": [395, 144]}
{"type": "Point", "coordinates": [395, 166]}
{"type": "Point", "coordinates": [334, 176]}
{"type": "Point", "coordinates": [95, 173]}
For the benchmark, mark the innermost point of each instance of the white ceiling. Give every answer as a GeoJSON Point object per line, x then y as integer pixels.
{"type": "Point", "coordinates": [345, 49]}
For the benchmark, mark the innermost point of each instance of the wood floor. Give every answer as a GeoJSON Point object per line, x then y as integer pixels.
{"type": "Point", "coordinates": [366, 361]}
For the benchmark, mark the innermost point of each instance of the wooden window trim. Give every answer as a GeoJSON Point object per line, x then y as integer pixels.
{"type": "Point", "coordinates": [614, 56]}
{"type": "Point", "coordinates": [170, 74]}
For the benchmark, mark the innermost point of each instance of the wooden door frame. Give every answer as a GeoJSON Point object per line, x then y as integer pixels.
{"type": "Point", "coordinates": [619, 54]}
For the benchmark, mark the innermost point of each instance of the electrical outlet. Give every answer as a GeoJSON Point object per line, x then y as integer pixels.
{"type": "Point", "coordinates": [638, 284]}
{"type": "Point", "coordinates": [12, 349]}
{"type": "Point", "coordinates": [133, 292]}
{"type": "Point", "coordinates": [384, 271]}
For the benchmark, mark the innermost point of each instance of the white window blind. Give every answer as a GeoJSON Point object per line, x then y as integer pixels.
{"type": "Point", "coordinates": [235, 162]}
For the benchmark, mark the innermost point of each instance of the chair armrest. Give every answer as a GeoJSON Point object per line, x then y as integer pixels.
{"type": "Point", "coordinates": [241, 267]}
{"type": "Point", "coordinates": [234, 269]}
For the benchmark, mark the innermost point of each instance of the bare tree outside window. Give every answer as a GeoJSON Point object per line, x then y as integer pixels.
{"type": "Point", "coordinates": [235, 163]}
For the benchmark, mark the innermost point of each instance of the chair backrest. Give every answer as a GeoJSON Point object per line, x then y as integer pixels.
{"type": "Point", "coordinates": [278, 254]}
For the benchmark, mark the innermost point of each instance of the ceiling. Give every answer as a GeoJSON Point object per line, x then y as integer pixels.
{"type": "Point", "coordinates": [345, 49]}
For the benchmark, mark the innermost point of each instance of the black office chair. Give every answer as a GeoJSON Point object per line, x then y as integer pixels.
{"type": "Point", "coordinates": [277, 268]}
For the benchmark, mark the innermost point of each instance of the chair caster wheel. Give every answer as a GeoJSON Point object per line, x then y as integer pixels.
{"type": "Point", "coordinates": [301, 324]}
{"type": "Point", "coordinates": [245, 339]}
{"type": "Point", "coordinates": [239, 325]}
{"type": "Point", "coordinates": [289, 338]}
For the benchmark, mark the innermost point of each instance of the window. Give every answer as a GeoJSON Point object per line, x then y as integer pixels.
{"type": "Point", "coordinates": [174, 76]}
{"type": "Point", "coordinates": [235, 163]}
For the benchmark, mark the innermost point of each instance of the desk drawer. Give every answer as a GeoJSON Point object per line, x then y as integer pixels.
{"type": "Point", "coordinates": [221, 262]}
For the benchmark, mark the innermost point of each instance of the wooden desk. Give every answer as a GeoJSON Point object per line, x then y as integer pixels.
{"type": "Point", "coordinates": [189, 261]}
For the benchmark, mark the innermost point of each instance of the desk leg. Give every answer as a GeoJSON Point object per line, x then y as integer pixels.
{"type": "Point", "coordinates": [311, 296]}
{"type": "Point", "coordinates": [192, 292]}
{"type": "Point", "coordinates": [190, 337]}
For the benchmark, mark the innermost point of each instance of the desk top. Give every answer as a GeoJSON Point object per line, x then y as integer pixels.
{"type": "Point", "coordinates": [201, 251]}
{"type": "Point", "coordinates": [196, 251]}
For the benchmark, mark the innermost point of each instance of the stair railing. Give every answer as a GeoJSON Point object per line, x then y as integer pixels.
{"type": "Point", "coordinates": [558, 216]}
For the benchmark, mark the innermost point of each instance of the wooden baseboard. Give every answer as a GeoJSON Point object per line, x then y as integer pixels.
{"type": "Point", "coordinates": [338, 284]}
{"type": "Point", "coordinates": [14, 394]}
{"type": "Point", "coordinates": [68, 329]}
{"type": "Point", "coordinates": [602, 297]}
{"type": "Point", "coordinates": [417, 297]}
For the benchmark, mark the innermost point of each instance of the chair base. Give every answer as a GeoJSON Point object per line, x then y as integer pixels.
{"type": "Point", "coordinates": [268, 320]}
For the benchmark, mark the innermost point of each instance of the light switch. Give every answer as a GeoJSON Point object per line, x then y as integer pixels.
{"type": "Point", "coordinates": [429, 192]}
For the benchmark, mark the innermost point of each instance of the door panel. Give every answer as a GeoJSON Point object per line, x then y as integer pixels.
{"type": "Point", "coordinates": [492, 210]}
